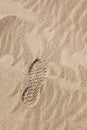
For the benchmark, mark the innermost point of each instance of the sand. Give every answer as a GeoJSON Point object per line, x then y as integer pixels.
{"type": "Point", "coordinates": [43, 64]}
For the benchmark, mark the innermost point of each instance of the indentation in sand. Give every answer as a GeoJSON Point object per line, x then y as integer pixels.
{"type": "Point", "coordinates": [37, 77]}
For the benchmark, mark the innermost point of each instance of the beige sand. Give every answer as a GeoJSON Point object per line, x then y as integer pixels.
{"type": "Point", "coordinates": [56, 32]}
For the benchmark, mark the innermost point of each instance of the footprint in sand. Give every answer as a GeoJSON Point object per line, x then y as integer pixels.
{"type": "Point", "coordinates": [37, 78]}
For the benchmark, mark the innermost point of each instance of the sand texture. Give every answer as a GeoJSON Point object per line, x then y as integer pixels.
{"type": "Point", "coordinates": [43, 64]}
